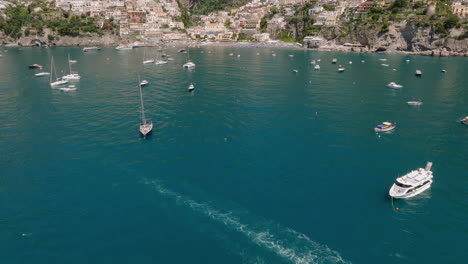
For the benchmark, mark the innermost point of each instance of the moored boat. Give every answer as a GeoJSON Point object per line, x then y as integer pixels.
{"type": "Point", "coordinates": [385, 127]}
{"type": "Point", "coordinates": [317, 67]}
{"type": "Point", "coordinates": [191, 87]}
{"type": "Point", "coordinates": [295, 71]}
{"type": "Point", "coordinates": [188, 65]}
{"type": "Point", "coordinates": [68, 89]}
{"type": "Point", "coordinates": [334, 61]}
{"type": "Point", "coordinates": [146, 125]}
{"type": "Point", "coordinates": [341, 69]}
{"type": "Point", "coordinates": [394, 85]}
{"type": "Point", "coordinates": [415, 103]}
{"type": "Point", "coordinates": [418, 73]}
{"type": "Point", "coordinates": [464, 120]}
{"type": "Point", "coordinates": [41, 74]}
{"type": "Point", "coordinates": [35, 66]}
{"type": "Point", "coordinates": [412, 183]}
{"type": "Point", "coordinates": [86, 49]}
{"type": "Point", "coordinates": [144, 82]}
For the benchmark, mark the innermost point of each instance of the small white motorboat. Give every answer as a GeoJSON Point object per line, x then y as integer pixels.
{"type": "Point", "coordinates": [385, 65]}
{"type": "Point", "coordinates": [312, 62]}
{"type": "Point", "coordinates": [382, 59]}
{"type": "Point", "coordinates": [274, 55]}
{"type": "Point", "coordinates": [394, 85]}
{"type": "Point", "coordinates": [385, 127]}
{"type": "Point", "coordinates": [415, 103]}
{"type": "Point", "coordinates": [257, 53]}
{"type": "Point", "coordinates": [290, 55]}
{"type": "Point", "coordinates": [444, 71]}
{"type": "Point", "coordinates": [86, 49]}
{"type": "Point", "coordinates": [464, 120]}
{"type": "Point", "coordinates": [418, 73]}
{"type": "Point", "coordinates": [407, 60]}
{"type": "Point", "coordinates": [68, 89]}
{"type": "Point", "coordinates": [189, 65]}
{"type": "Point", "coordinates": [350, 62]}
{"type": "Point", "coordinates": [363, 61]}
{"type": "Point", "coordinates": [40, 74]}
{"type": "Point", "coordinates": [295, 71]}
{"type": "Point", "coordinates": [341, 69]}
{"type": "Point", "coordinates": [319, 60]}
{"type": "Point", "coordinates": [191, 87]}
{"type": "Point", "coordinates": [238, 55]}
{"type": "Point", "coordinates": [144, 82]}
{"type": "Point", "coordinates": [160, 62]}
{"type": "Point", "coordinates": [334, 61]}
{"type": "Point", "coordinates": [317, 67]}
{"type": "Point", "coordinates": [231, 54]}
{"type": "Point", "coordinates": [148, 61]}
{"type": "Point", "coordinates": [72, 61]}
{"type": "Point", "coordinates": [412, 183]}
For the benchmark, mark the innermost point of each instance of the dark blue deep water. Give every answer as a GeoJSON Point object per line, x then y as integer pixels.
{"type": "Point", "coordinates": [257, 165]}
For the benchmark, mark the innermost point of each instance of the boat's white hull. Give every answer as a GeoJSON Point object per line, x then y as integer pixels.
{"type": "Point", "coordinates": [56, 83]}
{"type": "Point", "coordinates": [68, 89]}
{"type": "Point", "coordinates": [394, 193]}
{"type": "Point", "coordinates": [415, 103]}
{"type": "Point", "coordinates": [146, 129]}
{"type": "Point", "coordinates": [160, 62]}
{"type": "Point", "coordinates": [148, 61]}
{"type": "Point", "coordinates": [396, 86]}
{"type": "Point", "coordinates": [384, 129]}
{"type": "Point", "coordinates": [71, 77]}
{"type": "Point", "coordinates": [42, 74]}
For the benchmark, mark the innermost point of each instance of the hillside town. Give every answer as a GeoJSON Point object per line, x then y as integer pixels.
{"type": "Point", "coordinates": [161, 19]}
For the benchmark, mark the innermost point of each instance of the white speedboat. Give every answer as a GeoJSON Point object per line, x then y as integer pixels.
{"type": "Point", "coordinates": [418, 73]}
{"type": "Point", "coordinates": [231, 54]}
{"type": "Point", "coordinates": [295, 71]}
{"type": "Point", "coordinates": [394, 85]}
{"type": "Point", "coordinates": [464, 120]}
{"type": "Point", "coordinates": [385, 65]}
{"type": "Point", "coordinates": [41, 74]}
{"type": "Point", "coordinates": [68, 89]}
{"type": "Point", "coordinates": [191, 87]}
{"type": "Point", "coordinates": [415, 103]}
{"type": "Point", "coordinates": [334, 61]}
{"type": "Point", "coordinates": [341, 69]}
{"type": "Point", "coordinates": [350, 62]}
{"type": "Point", "coordinates": [412, 183]}
{"type": "Point", "coordinates": [443, 71]}
{"type": "Point", "coordinates": [312, 62]}
{"type": "Point", "coordinates": [274, 55]}
{"type": "Point", "coordinates": [290, 55]}
{"type": "Point", "coordinates": [160, 62]}
{"type": "Point", "coordinates": [86, 49]}
{"type": "Point", "coordinates": [382, 59]}
{"type": "Point", "coordinates": [385, 127]}
{"type": "Point", "coordinates": [144, 82]}
{"type": "Point", "coordinates": [148, 61]}
{"type": "Point", "coordinates": [189, 65]}
{"type": "Point", "coordinates": [317, 67]}
{"type": "Point", "coordinates": [72, 61]}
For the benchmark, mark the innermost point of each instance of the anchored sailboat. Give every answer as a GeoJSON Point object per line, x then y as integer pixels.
{"type": "Point", "coordinates": [73, 75]}
{"type": "Point", "coordinates": [145, 61]}
{"type": "Point", "coordinates": [146, 125]}
{"type": "Point", "coordinates": [58, 81]}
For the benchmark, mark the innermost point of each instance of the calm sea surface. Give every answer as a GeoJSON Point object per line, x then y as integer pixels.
{"type": "Point", "coordinates": [257, 165]}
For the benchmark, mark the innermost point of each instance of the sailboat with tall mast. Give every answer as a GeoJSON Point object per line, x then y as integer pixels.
{"type": "Point", "coordinates": [146, 125]}
{"type": "Point", "coordinates": [189, 63]}
{"type": "Point", "coordinates": [58, 80]}
{"type": "Point", "coordinates": [72, 75]}
{"type": "Point", "coordinates": [145, 61]}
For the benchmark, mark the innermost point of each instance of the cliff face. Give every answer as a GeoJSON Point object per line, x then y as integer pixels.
{"type": "Point", "coordinates": [404, 37]}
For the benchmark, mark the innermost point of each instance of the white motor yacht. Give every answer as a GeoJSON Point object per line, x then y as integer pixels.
{"type": "Point", "coordinates": [41, 74]}
{"type": "Point", "coordinates": [317, 67]}
{"type": "Point", "coordinates": [385, 127]}
{"type": "Point", "coordinates": [415, 103]}
{"type": "Point", "coordinates": [394, 85]}
{"type": "Point", "coordinates": [412, 183]}
{"type": "Point", "coordinates": [189, 65]}
{"type": "Point", "coordinates": [464, 120]}
{"type": "Point", "coordinates": [341, 69]}
{"type": "Point", "coordinates": [191, 87]}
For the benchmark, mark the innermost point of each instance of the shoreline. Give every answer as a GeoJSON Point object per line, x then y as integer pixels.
{"type": "Point", "coordinates": [246, 44]}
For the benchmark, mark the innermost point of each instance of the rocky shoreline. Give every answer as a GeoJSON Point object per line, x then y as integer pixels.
{"type": "Point", "coordinates": [112, 40]}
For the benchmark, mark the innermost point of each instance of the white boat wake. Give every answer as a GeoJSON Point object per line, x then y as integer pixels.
{"type": "Point", "coordinates": [284, 242]}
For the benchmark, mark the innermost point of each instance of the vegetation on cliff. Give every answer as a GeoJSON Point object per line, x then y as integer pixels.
{"type": "Point", "coordinates": [23, 20]}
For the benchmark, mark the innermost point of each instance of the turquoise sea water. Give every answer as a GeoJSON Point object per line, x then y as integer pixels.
{"type": "Point", "coordinates": [257, 165]}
